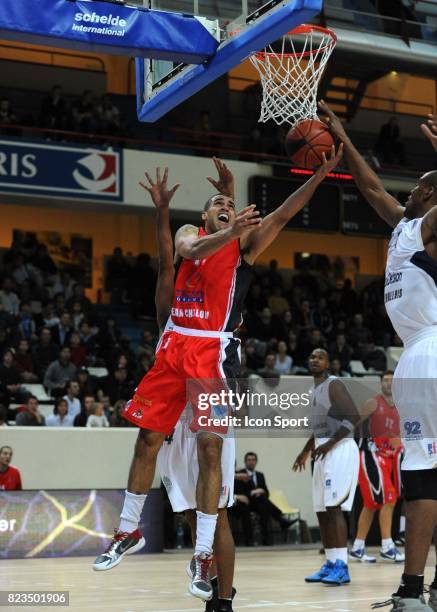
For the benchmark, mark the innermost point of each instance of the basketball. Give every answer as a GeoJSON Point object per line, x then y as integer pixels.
{"type": "Point", "coordinates": [306, 143]}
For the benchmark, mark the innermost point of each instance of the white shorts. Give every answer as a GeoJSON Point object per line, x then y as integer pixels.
{"type": "Point", "coordinates": [415, 395]}
{"type": "Point", "coordinates": [335, 477]}
{"type": "Point", "coordinates": [179, 469]}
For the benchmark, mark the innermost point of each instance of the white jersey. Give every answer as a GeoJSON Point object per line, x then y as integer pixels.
{"type": "Point", "coordinates": [410, 292]}
{"type": "Point", "coordinates": [323, 419]}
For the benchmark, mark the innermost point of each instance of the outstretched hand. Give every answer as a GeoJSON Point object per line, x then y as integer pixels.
{"type": "Point", "coordinates": [330, 162]}
{"type": "Point", "coordinates": [430, 130]}
{"type": "Point", "coordinates": [246, 221]}
{"type": "Point", "coordinates": [225, 183]}
{"type": "Point", "coordinates": [160, 193]}
{"type": "Point", "coordinates": [332, 121]}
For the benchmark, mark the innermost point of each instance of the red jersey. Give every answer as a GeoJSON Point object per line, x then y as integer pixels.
{"type": "Point", "coordinates": [384, 423]}
{"type": "Point", "coordinates": [10, 480]}
{"type": "Point", "coordinates": [209, 293]}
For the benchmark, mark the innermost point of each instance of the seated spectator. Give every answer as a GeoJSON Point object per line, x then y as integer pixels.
{"type": "Point", "coordinates": [262, 327]}
{"type": "Point", "coordinates": [10, 377]}
{"type": "Point", "coordinates": [24, 362]}
{"type": "Point", "coordinates": [77, 314]}
{"type": "Point", "coordinates": [268, 372]}
{"type": "Point", "coordinates": [59, 303]}
{"type": "Point", "coordinates": [60, 416]}
{"type": "Point", "coordinates": [117, 273]}
{"type": "Point", "coordinates": [9, 298]}
{"type": "Point", "coordinates": [108, 116]}
{"type": "Point", "coordinates": [389, 144]}
{"type": "Point", "coordinates": [283, 362]}
{"type": "Point", "coordinates": [78, 351]}
{"type": "Point", "coordinates": [284, 325]}
{"type": "Point", "coordinates": [26, 323]}
{"type": "Point", "coordinates": [44, 352]}
{"type": "Point", "coordinates": [117, 386]}
{"type": "Point", "coordinates": [337, 370]}
{"type": "Point", "coordinates": [31, 416]}
{"type": "Point", "coordinates": [349, 302]}
{"type": "Point", "coordinates": [143, 368]}
{"type": "Point", "coordinates": [117, 419]}
{"type": "Point", "coordinates": [59, 372]}
{"type": "Point", "coordinates": [53, 113]}
{"type": "Point", "coordinates": [255, 301]}
{"type": "Point", "coordinates": [24, 271]}
{"type": "Point", "coordinates": [61, 332]}
{"type": "Point", "coordinates": [42, 260]}
{"type": "Point", "coordinates": [97, 417]}
{"type": "Point", "coordinates": [7, 115]}
{"type": "Point", "coordinates": [87, 406]}
{"type": "Point", "coordinates": [303, 317]}
{"type": "Point", "coordinates": [241, 508]}
{"type": "Point", "coordinates": [6, 319]}
{"type": "Point", "coordinates": [253, 360]}
{"type": "Point", "coordinates": [277, 303]}
{"type": "Point", "coordinates": [87, 336]}
{"type": "Point", "coordinates": [10, 477]}
{"type": "Point", "coordinates": [3, 416]}
{"type": "Point", "coordinates": [147, 345]}
{"type": "Point", "coordinates": [79, 296]}
{"type": "Point", "coordinates": [374, 358]}
{"type": "Point", "coordinates": [49, 318]}
{"type": "Point", "coordinates": [341, 350]}
{"type": "Point", "coordinates": [321, 317]}
{"type": "Point", "coordinates": [83, 113]}
{"type": "Point", "coordinates": [256, 490]}
{"type": "Point", "coordinates": [72, 398]}
{"type": "Point", "coordinates": [87, 384]}
{"type": "Point", "coordinates": [358, 333]}
{"type": "Point", "coordinates": [309, 342]}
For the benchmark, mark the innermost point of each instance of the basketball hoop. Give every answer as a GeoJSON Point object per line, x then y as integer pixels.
{"type": "Point", "coordinates": [290, 74]}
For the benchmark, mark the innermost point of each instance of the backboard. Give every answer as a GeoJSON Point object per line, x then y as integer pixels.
{"type": "Point", "coordinates": [241, 27]}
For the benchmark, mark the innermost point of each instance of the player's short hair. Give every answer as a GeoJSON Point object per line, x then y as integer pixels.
{"type": "Point", "coordinates": [387, 373]}
{"type": "Point", "coordinates": [6, 446]}
{"type": "Point", "coordinates": [431, 178]}
{"type": "Point", "coordinates": [208, 203]}
{"type": "Point", "coordinates": [250, 454]}
{"type": "Point", "coordinates": [31, 397]}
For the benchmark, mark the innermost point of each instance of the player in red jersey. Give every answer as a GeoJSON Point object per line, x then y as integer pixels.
{"type": "Point", "coordinates": [379, 476]}
{"type": "Point", "coordinates": [199, 344]}
{"type": "Point", "coordinates": [10, 479]}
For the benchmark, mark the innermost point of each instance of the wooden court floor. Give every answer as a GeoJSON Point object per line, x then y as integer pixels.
{"type": "Point", "coordinates": [266, 580]}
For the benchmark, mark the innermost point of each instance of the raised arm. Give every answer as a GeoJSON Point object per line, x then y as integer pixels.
{"type": "Point", "coordinates": [225, 183]}
{"type": "Point", "coordinates": [190, 245]}
{"type": "Point", "coordinates": [161, 197]}
{"type": "Point", "coordinates": [430, 130]}
{"type": "Point", "coordinates": [367, 181]}
{"type": "Point", "coordinates": [429, 226]}
{"type": "Point", "coordinates": [255, 243]}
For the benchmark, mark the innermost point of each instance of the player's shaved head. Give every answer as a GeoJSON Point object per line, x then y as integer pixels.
{"type": "Point", "coordinates": [430, 180]}
{"type": "Point", "coordinates": [210, 201]}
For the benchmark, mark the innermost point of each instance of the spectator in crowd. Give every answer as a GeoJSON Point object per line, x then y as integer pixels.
{"type": "Point", "coordinates": [44, 352]}
{"type": "Point", "coordinates": [9, 298]}
{"type": "Point", "coordinates": [60, 416]}
{"type": "Point", "coordinates": [24, 362]}
{"type": "Point", "coordinates": [87, 406]}
{"type": "Point", "coordinates": [269, 370]}
{"type": "Point", "coordinates": [31, 416]}
{"type": "Point", "coordinates": [62, 331]}
{"type": "Point", "coordinates": [59, 372]}
{"type": "Point", "coordinates": [97, 417]}
{"type": "Point", "coordinates": [79, 296]}
{"type": "Point", "coordinates": [256, 490]}
{"type": "Point", "coordinates": [142, 369]}
{"type": "Point", "coordinates": [72, 398]}
{"type": "Point", "coordinates": [24, 271]}
{"type": "Point", "coordinates": [341, 350]}
{"type": "Point", "coordinates": [108, 116]}
{"type": "Point", "coordinates": [262, 327]}
{"type": "Point", "coordinates": [6, 319]}
{"type": "Point", "coordinates": [285, 325]}
{"type": "Point", "coordinates": [53, 114]}
{"type": "Point", "coordinates": [241, 508]}
{"type": "Point", "coordinates": [389, 144]}
{"type": "Point", "coordinates": [77, 314]}
{"type": "Point", "coordinates": [84, 113]}
{"type": "Point", "coordinates": [358, 333]}
{"type": "Point", "coordinates": [48, 316]}
{"type": "Point", "coordinates": [253, 359]}
{"type": "Point", "coordinates": [255, 301]}
{"type": "Point", "coordinates": [283, 362]}
{"type": "Point", "coordinates": [147, 345]}
{"type": "Point", "coordinates": [42, 260]}
{"type": "Point", "coordinates": [336, 369]}
{"type": "Point", "coordinates": [10, 477]}
{"type": "Point", "coordinates": [59, 301]}
{"type": "Point", "coordinates": [117, 273]}
{"type": "Point", "coordinates": [117, 386]}
{"type": "Point", "coordinates": [321, 318]}
{"type": "Point", "coordinates": [3, 416]}
{"type": "Point", "coordinates": [309, 342]}
{"type": "Point", "coordinates": [87, 336]}
{"type": "Point", "coordinates": [277, 303]}
{"type": "Point", "coordinates": [78, 351]}
{"type": "Point", "coordinates": [117, 419]}
{"type": "Point", "coordinates": [10, 377]}
{"type": "Point", "coordinates": [349, 303]}
{"type": "Point", "coordinates": [26, 325]}
{"type": "Point", "coordinates": [7, 115]}
{"type": "Point", "coordinates": [87, 386]}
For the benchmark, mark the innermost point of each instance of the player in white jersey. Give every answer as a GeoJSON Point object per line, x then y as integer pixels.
{"type": "Point", "coordinates": [335, 477]}
{"type": "Point", "coordinates": [411, 302]}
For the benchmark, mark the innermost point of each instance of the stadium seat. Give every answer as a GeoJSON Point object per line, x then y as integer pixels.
{"type": "Point", "coordinates": [98, 372]}
{"type": "Point", "coordinates": [393, 355]}
{"type": "Point", "coordinates": [357, 367]}
{"type": "Point", "coordinates": [278, 497]}
{"type": "Point", "coordinates": [38, 391]}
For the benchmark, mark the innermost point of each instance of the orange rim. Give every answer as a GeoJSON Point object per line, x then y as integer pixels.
{"type": "Point", "coordinates": [303, 29]}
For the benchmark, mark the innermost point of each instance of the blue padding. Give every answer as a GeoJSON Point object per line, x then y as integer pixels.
{"type": "Point", "coordinates": [262, 32]}
{"type": "Point", "coordinates": [109, 28]}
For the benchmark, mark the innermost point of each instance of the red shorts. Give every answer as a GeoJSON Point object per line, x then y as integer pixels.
{"type": "Point", "coordinates": [379, 478]}
{"type": "Point", "coordinates": [186, 366]}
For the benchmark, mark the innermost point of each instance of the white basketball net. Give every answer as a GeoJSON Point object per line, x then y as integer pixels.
{"type": "Point", "coordinates": [290, 75]}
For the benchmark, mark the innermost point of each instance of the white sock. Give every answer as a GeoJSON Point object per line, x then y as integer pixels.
{"type": "Point", "coordinates": [358, 544]}
{"type": "Point", "coordinates": [342, 554]}
{"type": "Point", "coordinates": [387, 544]}
{"type": "Point", "coordinates": [402, 524]}
{"type": "Point", "coordinates": [206, 524]}
{"type": "Point", "coordinates": [331, 554]}
{"type": "Point", "coordinates": [131, 513]}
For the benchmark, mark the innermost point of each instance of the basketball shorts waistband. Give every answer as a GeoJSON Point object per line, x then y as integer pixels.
{"type": "Point", "coordinates": [200, 333]}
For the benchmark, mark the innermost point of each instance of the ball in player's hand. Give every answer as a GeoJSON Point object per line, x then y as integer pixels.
{"type": "Point", "coordinates": [307, 141]}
